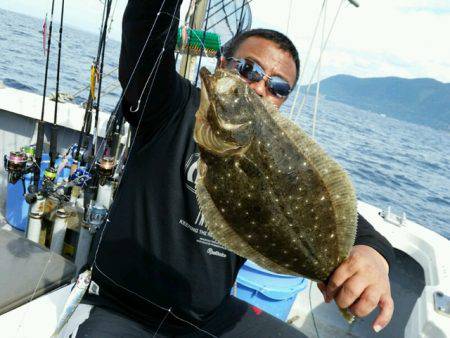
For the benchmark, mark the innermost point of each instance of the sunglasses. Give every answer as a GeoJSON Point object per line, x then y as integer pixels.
{"type": "Point", "coordinates": [253, 72]}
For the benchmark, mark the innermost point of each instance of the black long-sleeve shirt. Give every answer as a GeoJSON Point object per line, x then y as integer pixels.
{"type": "Point", "coordinates": [155, 251]}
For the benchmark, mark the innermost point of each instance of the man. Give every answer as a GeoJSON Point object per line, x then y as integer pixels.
{"type": "Point", "coordinates": [152, 261]}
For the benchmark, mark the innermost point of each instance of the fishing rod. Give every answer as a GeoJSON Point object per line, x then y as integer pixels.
{"type": "Point", "coordinates": [87, 121]}
{"type": "Point", "coordinates": [54, 132]}
{"type": "Point", "coordinates": [40, 135]}
{"type": "Point", "coordinates": [102, 62]}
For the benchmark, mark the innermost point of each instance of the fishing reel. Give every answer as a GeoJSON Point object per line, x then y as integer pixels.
{"type": "Point", "coordinates": [83, 154]}
{"type": "Point", "coordinates": [79, 177]}
{"type": "Point", "coordinates": [16, 165]}
{"type": "Point", "coordinates": [48, 183]}
{"type": "Point", "coordinates": [95, 216]}
{"type": "Point", "coordinates": [105, 169]}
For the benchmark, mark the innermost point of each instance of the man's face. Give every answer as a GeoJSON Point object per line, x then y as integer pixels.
{"type": "Point", "coordinates": [273, 60]}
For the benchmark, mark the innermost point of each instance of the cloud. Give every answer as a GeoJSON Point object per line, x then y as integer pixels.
{"type": "Point", "coordinates": [383, 37]}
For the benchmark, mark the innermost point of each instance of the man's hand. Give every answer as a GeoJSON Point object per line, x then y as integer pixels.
{"type": "Point", "coordinates": [361, 283]}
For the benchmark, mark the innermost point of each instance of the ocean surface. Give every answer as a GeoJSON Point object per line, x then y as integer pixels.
{"type": "Point", "coordinates": [391, 162]}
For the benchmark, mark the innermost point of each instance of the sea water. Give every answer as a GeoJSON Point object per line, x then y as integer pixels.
{"type": "Point", "coordinates": [391, 162]}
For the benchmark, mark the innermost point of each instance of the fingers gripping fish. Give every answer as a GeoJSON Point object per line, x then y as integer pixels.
{"type": "Point", "coordinates": [77, 293]}
{"type": "Point", "coordinates": [268, 192]}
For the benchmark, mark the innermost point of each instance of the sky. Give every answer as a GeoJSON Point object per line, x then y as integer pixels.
{"type": "Point", "coordinates": [406, 38]}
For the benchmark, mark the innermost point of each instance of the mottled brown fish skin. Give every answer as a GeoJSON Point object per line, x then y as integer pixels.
{"type": "Point", "coordinates": [267, 191]}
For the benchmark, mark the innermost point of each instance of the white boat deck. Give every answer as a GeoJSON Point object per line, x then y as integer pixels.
{"type": "Point", "coordinates": [30, 105]}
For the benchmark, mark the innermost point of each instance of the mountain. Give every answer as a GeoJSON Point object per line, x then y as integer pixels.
{"type": "Point", "coordinates": [421, 101]}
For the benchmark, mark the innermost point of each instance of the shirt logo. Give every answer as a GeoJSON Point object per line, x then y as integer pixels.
{"type": "Point", "coordinates": [213, 252]}
{"type": "Point", "coordinates": [190, 171]}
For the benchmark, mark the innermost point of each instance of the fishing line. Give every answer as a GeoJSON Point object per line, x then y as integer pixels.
{"type": "Point", "coordinates": [158, 61]}
{"type": "Point", "coordinates": [319, 62]}
{"type": "Point", "coordinates": [297, 94]}
{"type": "Point", "coordinates": [321, 52]}
{"type": "Point", "coordinates": [129, 81]}
{"type": "Point", "coordinates": [25, 313]}
{"type": "Point", "coordinates": [112, 18]}
{"type": "Point", "coordinates": [289, 17]}
{"type": "Point", "coordinates": [162, 322]}
{"type": "Point", "coordinates": [312, 310]}
{"type": "Point", "coordinates": [156, 65]}
{"type": "Point", "coordinates": [154, 71]}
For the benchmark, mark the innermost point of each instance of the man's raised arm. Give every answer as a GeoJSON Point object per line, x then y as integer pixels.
{"type": "Point", "coordinates": [143, 26]}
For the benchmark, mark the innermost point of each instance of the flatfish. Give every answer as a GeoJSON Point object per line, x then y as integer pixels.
{"type": "Point", "coordinates": [269, 192]}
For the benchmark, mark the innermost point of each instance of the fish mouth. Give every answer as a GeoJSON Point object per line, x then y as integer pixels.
{"type": "Point", "coordinates": [211, 132]}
